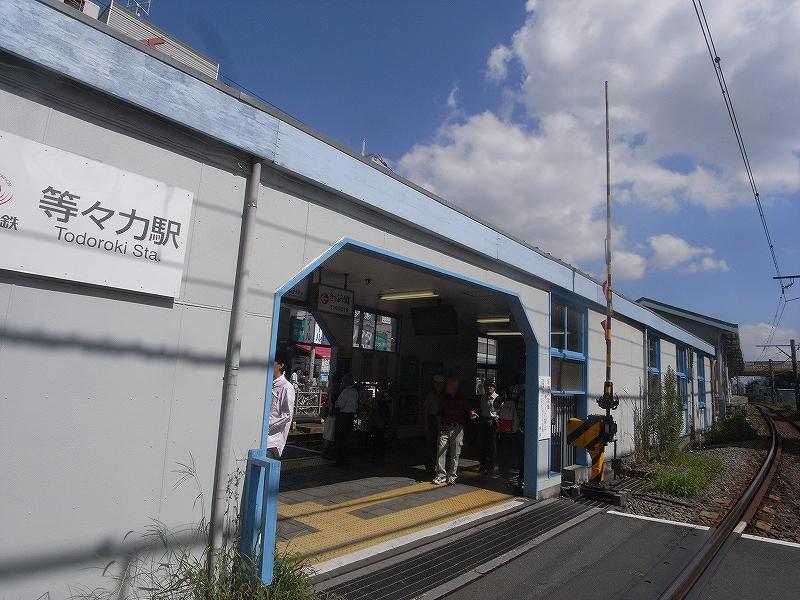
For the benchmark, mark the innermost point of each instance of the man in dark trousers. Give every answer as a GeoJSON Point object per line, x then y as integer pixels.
{"type": "Point", "coordinates": [512, 438]}
{"type": "Point", "coordinates": [452, 408]}
{"type": "Point", "coordinates": [346, 407]}
{"type": "Point", "coordinates": [430, 410]}
{"type": "Point", "coordinates": [379, 420]}
{"type": "Point", "coordinates": [487, 427]}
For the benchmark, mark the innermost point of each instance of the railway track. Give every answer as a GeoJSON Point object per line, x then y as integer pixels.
{"type": "Point", "coordinates": [783, 418]}
{"type": "Point", "coordinates": [692, 577]}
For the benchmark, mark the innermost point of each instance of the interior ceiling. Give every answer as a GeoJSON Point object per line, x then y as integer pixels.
{"type": "Point", "coordinates": [370, 276]}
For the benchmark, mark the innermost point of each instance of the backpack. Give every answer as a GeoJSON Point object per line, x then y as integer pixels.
{"type": "Point", "coordinates": [509, 419]}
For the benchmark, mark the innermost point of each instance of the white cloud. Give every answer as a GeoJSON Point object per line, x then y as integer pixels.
{"type": "Point", "coordinates": [628, 265]}
{"type": "Point", "coordinates": [497, 63]}
{"type": "Point", "coordinates": [751, 335]}
{"type": "Point", "coordinates": [452, 97]}
{"type": "Point", "coordinates": [670, 251]}
{"type": "Point", "coordinates": [546, 183]}
{"type": "Point", "coordinates": [707, 263]}
{"type": "Point", "coordinates": [515, 179]}
{"type": "Point", "coordinates": [662, 83]}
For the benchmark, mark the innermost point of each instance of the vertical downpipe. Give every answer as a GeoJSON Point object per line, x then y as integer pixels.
{"type": "Point", "coordinates": [223, 467]}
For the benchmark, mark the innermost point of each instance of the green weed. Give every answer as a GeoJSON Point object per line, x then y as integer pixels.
{"type": "Point", "coordinates": [687, 474]}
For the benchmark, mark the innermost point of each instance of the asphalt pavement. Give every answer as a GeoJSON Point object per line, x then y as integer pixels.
{"type": "Point", "coordinates": [613, 556]}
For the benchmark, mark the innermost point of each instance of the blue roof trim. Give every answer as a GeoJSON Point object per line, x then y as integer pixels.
{"type": "Point", "coordinates": [53, 39]}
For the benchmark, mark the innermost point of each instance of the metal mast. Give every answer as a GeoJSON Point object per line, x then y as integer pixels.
{"type": "Point", "coordinates": [608, 388]}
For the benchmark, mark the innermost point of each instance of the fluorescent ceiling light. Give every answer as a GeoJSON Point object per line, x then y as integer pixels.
{"type": "Point", "coordinates": [492, 320]}
{"type": "Point", "coordinates": [502, 333]}
{"type": "Point", "coordinates": [410, 295]}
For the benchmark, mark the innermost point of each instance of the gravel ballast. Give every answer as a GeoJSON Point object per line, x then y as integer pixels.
{"type": "Point", "coordinates": [740, 463]}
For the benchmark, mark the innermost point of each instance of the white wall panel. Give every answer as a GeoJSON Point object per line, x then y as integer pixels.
{"type": "Point", "coordinates": [23, 117]}
{"type": "Point", "coordinates": [211, 261]}
{"type": "Point", "coordinates": [278, 243]}
{"type": "Point", "coordinates": [194, 410]}
{"type": "Point", "coordinates": [627, 373]}
{"type": "Point", "coordinates": [326, 227]}
{"type": "Point", "coordinates": [91, 140]}
{"type": "Point", "coordinates": [88, 383]}
{"type": "Point", "coordinates": [669, 356]}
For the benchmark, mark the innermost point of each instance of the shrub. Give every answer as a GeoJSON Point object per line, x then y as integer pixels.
{"type": "Point", "coordinates": [658, 424]}
{"type": "Point", "coordinates": [731, 429]}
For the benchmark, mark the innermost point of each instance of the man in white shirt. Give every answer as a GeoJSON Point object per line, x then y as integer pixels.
{"type": "Point", "coordinates": [346, 407]}
{"type": "Point", "coordinates": [281, 409]}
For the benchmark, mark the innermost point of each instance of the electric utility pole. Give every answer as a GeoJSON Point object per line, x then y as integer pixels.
{"type": "Point", "coordinates": [791, 355]}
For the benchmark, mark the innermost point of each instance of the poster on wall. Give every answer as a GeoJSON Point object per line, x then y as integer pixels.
{"type": "Point", "coordinates": [545, 407]}
{"type": "Point", "coordinates": [72, 218]}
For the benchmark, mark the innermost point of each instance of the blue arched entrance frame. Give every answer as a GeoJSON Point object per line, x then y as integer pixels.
{"type": "Point", "coordinates": [262, 475]}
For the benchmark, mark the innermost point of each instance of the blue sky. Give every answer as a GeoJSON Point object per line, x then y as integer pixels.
{"type": "Point", "coordinates": [510, 93]}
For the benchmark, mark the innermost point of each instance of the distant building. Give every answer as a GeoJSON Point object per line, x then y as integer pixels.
{"type": "Point", "coordinates": [722, 335]}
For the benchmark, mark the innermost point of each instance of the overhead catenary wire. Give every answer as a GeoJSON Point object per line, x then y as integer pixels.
{"type": "Point", "coordinates": [776, 320]}
{"type": "Point", "coordinates": [717, 62]}
{"type": "Point", "coordinates": [726, 95]}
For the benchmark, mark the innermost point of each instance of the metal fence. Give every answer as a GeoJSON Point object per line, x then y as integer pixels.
{"type": "Point", "coordinates": [561, 454]}
{"type": "Point", "coordinates": [308, 402]}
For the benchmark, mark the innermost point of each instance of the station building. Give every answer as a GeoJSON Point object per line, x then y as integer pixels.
{"type": "Point", "coordinates": [125, 171]}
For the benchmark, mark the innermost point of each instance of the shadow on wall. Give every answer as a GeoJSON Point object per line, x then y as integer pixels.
{"type": "Point", "coordinates": [107, 552]}
{"type": "Point", "coordinates": [104, 346]}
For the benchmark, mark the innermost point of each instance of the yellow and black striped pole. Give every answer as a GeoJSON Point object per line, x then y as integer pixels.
{"type": "Point", "coordinates": [590, 434]}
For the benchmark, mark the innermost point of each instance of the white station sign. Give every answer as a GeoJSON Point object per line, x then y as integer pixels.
{"type": "Point", "coordinates": [334, 300]}
{"type": "Point", "coordinates": [69, 217]}
{"type": "Point", "coordinates": [545, 407]}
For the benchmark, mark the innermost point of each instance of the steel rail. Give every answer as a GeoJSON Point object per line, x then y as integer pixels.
{"type": "Point", "coordinates": [784, 418]}
{"type": "Point", "coordinates": [743, 510]}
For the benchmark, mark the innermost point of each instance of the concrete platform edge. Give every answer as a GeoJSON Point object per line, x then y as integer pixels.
{"type": "Point", "coordinates": [461, 581]}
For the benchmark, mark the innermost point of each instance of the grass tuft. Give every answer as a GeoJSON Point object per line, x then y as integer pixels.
{"type": "Point", "coordinates": [732, 429]}
{"type": "Point", "coordinates": [687, 475]}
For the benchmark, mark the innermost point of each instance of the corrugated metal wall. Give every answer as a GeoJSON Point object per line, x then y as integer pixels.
{"type": "Point", "coordinates": [125, 22]}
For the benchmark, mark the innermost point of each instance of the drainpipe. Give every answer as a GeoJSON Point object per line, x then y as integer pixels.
{"type": "Point", "coordinates": [224, 464]}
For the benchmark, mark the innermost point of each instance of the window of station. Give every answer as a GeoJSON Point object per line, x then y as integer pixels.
{"type": "Point", "coordinates": [487, 363]}
{"type": "Point", "coordinates": [701, 389]}
{"type": "Point", "coordinates": [653, 354]}
{"type": "Point", "coordinates": [372, 331]}
{"type": "Point", "coordinates": [568, 377]}
{"type": "Point", "coordinates": [567, 348]}
{"type": "Point", "coordinates": [681, 372]}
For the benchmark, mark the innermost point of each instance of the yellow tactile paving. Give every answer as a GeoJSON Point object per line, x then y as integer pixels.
{"type": "Point", "coordinates": [340, 533]}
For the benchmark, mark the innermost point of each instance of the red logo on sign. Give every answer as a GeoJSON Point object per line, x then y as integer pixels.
{"type": "Point", "coordinates": [6, 193]}
{"type": "Point", "coordinates": [323, 298]}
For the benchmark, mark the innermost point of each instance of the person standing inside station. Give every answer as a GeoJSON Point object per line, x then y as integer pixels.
{"type": "Point", "coordinates": [346, 407]}
{"type": "Point", "coordinates": [430, 411]}
{"type": "Point", "coordinates": [487, 427]}
{"type": "Point", "coordinates": [328, 410]}
{"type": "Point", "coordinates": [452, 408]}
{"type": "Point", "coordinates": [379, 420]}
{"type": "Point", "coordinates": [512, 432]}
{"type": "Point", "coordinates": [281, 409]}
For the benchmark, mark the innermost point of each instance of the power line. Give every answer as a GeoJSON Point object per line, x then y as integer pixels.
{"type": "Point", "coordinates": [717, 62]}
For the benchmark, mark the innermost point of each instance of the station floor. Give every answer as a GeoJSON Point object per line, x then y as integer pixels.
{"type": "Point", "coordinates": [326, 512]}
